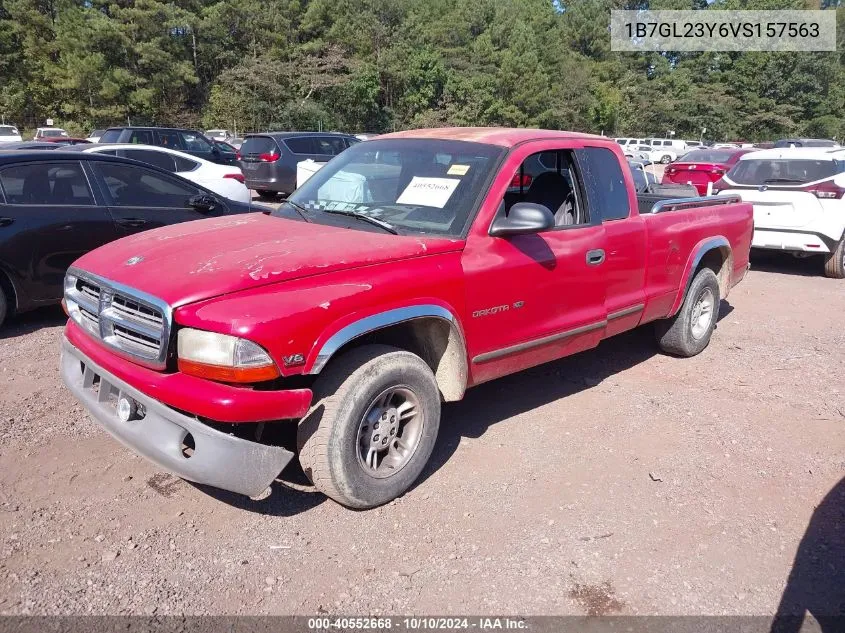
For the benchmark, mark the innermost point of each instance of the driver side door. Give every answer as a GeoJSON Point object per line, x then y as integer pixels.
{"type": "Point", "coordinates": [536, 297]}
{"type": "Point", "coordinates": [140, 198]}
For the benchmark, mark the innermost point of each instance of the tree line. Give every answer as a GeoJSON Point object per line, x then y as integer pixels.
{"type": "Point", "coordinates": [379, 65]}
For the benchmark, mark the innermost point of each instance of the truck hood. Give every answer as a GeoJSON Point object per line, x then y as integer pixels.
{"type": "Point", "coordinates": [189, 262]}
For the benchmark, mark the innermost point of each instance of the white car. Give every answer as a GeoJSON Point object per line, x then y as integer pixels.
{"type": "Point", "coordinates": [9, 134]}
{"type": "Point", "coordinates": [49, 132]}
{"type": "Point", "coordinates": [224, 180]}
{"type": "Point", "coordinates": [798, 202]}
{"type": "Point", "coordinates": [219, 135]}
{"type": "Point", "coordinates": [652, 154]}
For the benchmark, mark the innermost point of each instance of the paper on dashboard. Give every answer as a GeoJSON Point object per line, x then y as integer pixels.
{"type": "Point", "coordinates": [429, 192]}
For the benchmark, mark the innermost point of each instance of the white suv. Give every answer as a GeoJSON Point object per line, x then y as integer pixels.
{"type": "Point", "coordinates": [797, 196]}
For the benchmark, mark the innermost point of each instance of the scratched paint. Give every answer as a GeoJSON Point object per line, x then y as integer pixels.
{"type": "Point", "coordinates": [219, 256]}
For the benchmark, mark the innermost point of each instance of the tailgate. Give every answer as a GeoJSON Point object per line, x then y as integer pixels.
{"type": "Point", "coordinates": [781, 208]}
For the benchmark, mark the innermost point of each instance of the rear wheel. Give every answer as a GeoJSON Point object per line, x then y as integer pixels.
{"type": "Point", "coordinates": [834, 263]}
{"type": "Point", "coordinates": [4, 305]}
{"type": "Point", "coordinates": [372, 426]}
{"type": "Point", "coordinates": [689, 331]}
{"type": "Point", "coordinates": [666, 159]}
{"type": "Point", "coordinates": [266, 194]}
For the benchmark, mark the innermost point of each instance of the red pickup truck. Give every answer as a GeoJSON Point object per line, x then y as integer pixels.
{"type": "Point", "coordinates": [406, 270]}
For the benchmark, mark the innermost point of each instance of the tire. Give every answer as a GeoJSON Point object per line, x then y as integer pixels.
{"type": "Point", "coordinates": [336, 437]}
{"type": "Point", "coordinates": [666, 159]}
{"type": "Point", "coordinates": [688, 332]}
{"type": "Point", "coordinates": [265, 194]}
{"type": "Point", "coordinates": [834, 263]}
{"type": "Point", "coordinates": [4, 306]}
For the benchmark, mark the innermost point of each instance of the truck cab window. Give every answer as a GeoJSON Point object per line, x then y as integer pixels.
{"type": "Point", "coordinates": [549, 178]}
{"type": "Point", "coordinates": [605, 184]}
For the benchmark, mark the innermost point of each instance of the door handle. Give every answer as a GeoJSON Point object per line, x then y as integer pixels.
{"type": "Point", "coordinates": [595, 257]}
{"type": "Point", "coordinates": [131, 222]}
{"type": "Point", "coordinates": [6, 221]}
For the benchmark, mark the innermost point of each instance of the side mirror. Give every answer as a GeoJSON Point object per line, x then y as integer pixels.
{"type": "Point", "coordinates": [524, 218]}
{"type": "Point", "coordinates": [203, 202]}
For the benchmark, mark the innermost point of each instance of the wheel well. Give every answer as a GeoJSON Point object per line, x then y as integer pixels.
{"type": "Point", "coordinates": [8, 291]}
{"type": "Point", "coordinates": [437, 341]}
{"type": "Point", "coordinates": [719, 261]}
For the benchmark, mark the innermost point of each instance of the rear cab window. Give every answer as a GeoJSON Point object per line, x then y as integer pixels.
{"type": "Point", "coordinates": [42, 183]}
{"type": "Point", "coordinates": [607, 193]}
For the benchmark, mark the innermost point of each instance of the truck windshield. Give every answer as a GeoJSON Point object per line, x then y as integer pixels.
{"type": "Point", "coordinates": [418, 186]}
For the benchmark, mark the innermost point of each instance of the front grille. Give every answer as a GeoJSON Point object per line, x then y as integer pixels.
{"type": "Point", "coordinates": [127, 320]}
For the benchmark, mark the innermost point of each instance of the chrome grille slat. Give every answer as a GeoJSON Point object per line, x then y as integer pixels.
{"type": "Point", "coordinates": [132, 322]}
{"type": "Point", "coordinates": [136, 312]}
{"type": "Point", "coordinates": [117, 317]}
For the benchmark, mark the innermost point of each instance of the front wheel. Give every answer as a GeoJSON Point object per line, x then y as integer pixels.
{"type": "Point", "coordinates": [689, 331]}
{"type": "Point", "coordinates": [372, 426]}
{"type": "Point", "coordinates": [834, 263]}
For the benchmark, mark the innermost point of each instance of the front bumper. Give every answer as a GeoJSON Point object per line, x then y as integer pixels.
{"type": "Point", "coordinates": [218, 459]}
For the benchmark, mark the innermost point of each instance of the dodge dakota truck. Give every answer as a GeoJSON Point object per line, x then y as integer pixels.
{"type": "Point", "coordinates": [405, 271]}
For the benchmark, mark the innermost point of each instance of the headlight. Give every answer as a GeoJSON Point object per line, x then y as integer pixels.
{"type": "Point", "coordinates": [223, 357]}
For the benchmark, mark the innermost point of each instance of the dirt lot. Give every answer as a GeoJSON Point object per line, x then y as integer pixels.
{"type": "Point", "coordinates": [616, 481]}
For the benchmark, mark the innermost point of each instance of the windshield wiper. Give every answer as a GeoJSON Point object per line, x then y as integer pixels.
{"type": "Point", "coordinates": [783, 180]}
{"type": "Point", "coordinates": [299, 209]}
{"type": "Point", "coordinates": [366, 218]}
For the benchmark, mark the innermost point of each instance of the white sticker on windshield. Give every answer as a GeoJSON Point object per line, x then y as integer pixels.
{"type": "Point", "coordinates": [429, 192]}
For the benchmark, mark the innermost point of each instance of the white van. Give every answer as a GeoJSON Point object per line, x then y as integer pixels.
{"type": "Point", "coordinates": [679, 145]}
{"type": "Point", "coordinates": [630, 141]}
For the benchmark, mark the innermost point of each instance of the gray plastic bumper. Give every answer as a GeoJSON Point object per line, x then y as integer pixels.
{"type": "Point", "coordinates": [218, 459]}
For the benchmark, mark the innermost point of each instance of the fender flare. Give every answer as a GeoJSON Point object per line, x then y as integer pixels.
{"type": "Point", "coordinates": [377, 321]}
{"type": "Point", "coordinates": [703, 247]}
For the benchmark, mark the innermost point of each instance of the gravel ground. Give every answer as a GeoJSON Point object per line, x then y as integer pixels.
{"type": "Point", "coordinates": [615, 481]}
